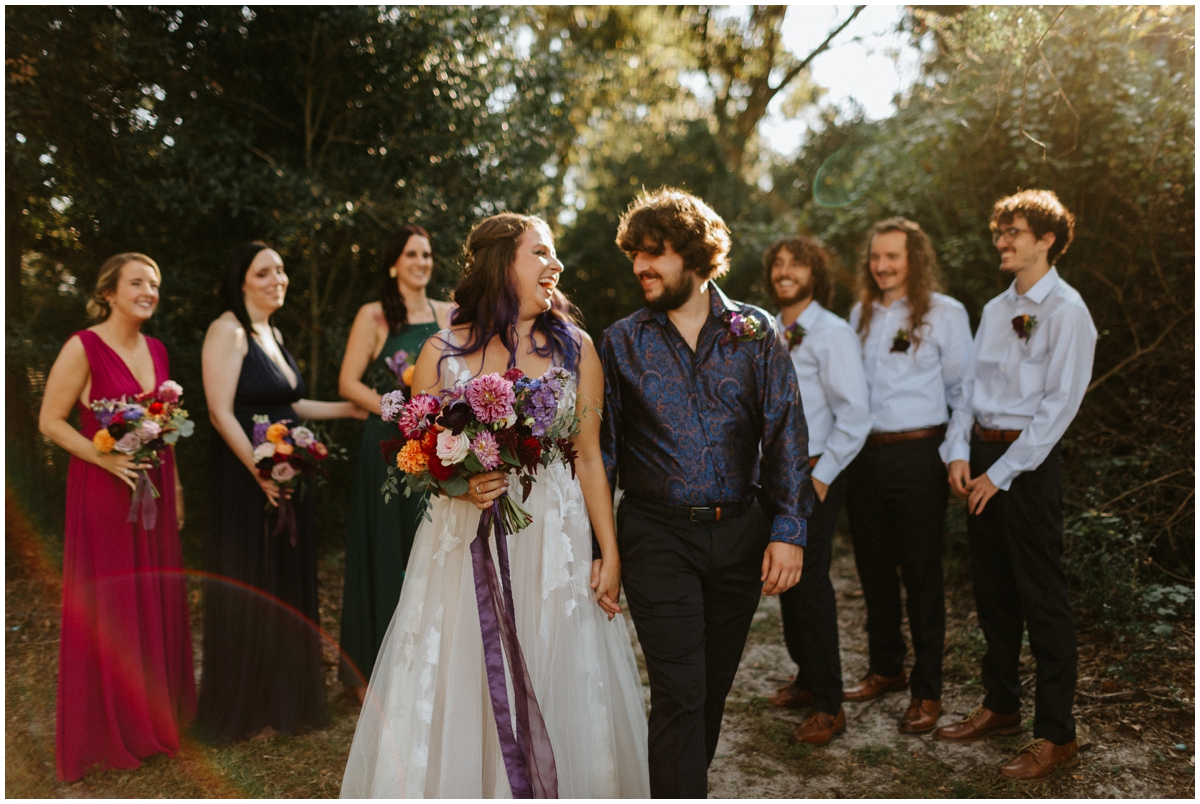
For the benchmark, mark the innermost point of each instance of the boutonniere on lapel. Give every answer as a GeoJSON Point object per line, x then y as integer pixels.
{"type": "Point", "coordinates": [742, 328]}
{"type": "Point", "coordinates": [900, 341]}
{"type": "Point", "coordinates": [1023, 325]}
{"type": "Point", "coordinates": [794, 335]}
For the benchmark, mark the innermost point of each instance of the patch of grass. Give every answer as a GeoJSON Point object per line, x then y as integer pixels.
{"type": "Point", "coordinates": [873, 755]}
{"type": "Point", "coordinates": [770, 735]}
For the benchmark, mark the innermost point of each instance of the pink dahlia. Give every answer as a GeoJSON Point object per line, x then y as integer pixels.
{"type": "Point", "coordinates": [486, 450]}
{"type": "Point", "coordinates": [412, 417]}
{"type": "Point", "coordinates": [491, 397]}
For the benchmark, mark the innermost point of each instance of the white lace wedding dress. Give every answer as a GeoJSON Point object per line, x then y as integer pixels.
{"type": "Point", "coordinates": [426, 729]}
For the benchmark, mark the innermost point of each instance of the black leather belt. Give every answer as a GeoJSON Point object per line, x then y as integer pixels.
{"type": "Point", "coordinates": [702, 513]}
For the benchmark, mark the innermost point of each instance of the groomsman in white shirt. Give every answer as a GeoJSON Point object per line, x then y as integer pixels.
{"type": "Point", "coordinates": [916, 345]}
{"type": "Point", "coordinates": [828, 361]}
{"type": "Point", "coordinates": [1030, 367]}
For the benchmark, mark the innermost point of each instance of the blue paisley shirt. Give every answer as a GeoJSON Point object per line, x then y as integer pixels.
{"type": "Point", "coordinates": [685, 427]}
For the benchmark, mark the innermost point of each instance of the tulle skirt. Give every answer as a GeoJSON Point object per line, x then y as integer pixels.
{"type": "Point", "coordinates": [427, 729]}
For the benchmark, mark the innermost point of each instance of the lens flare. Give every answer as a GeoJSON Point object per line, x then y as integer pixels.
{"type": "Point", "coordinates": [843, 178]}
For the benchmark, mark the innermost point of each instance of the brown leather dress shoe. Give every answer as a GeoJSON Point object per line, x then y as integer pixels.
{"type": "Point", "coordinates": [921, 716]}
{"type": "Point", "coordinates": [981, 723]}
{"type": "Point", "coordinates": [1040, 760]}
{"type": "Point", "coordinates": [820, 728]}
{"type": "Point", "coordinates": [873, 685]}
{"type": "Point", "coordinates": [789, 696]}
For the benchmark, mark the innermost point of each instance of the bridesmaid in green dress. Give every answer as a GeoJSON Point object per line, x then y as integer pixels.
{"type": "Point", "coordinates": [380, 535]}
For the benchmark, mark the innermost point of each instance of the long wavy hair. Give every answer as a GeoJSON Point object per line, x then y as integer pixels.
{"type": "Point", "coordinates": [394, 309]}
{"type": "Point", "coordinates": [923, 279]}
{"type": "Point", "coordinates": [486, 296]}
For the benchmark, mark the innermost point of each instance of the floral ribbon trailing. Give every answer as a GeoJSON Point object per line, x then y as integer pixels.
{"type": "Point", "coordinates": [141, 504]}
{"type": "Point", "coordinates": [528, 756]}
{"type": "Point", "coordinates": [286, 519]}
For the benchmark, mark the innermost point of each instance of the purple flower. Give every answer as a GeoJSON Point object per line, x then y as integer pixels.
{"type": "Point", "coordinates": [129, 443]}
{"type": "Point", "coordinates": [133, 412]}
{"type": "Point", "coordinates": [397, 362]}
{"type": "Point", "coordinates": [542, 405]}
{"type": "Point", "coordinates": [491, 397]}
{"type": "Point", "coordinates": [261, 423]}
{"type": "Point", "coordinates": [486, 450]}
{"type": "Point", "coordinates": [390, 405]}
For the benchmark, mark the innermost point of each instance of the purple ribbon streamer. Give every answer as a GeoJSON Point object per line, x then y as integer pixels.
{"type": "Point", "coordinates": [286, 518]}
{"type": "Point", "coordinates": [141, 504]}
{"type": "Point", "coordinates": [528, 755]}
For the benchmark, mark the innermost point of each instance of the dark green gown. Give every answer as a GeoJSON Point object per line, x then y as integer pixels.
{"type": "Point", "coordinates": [379, 536]}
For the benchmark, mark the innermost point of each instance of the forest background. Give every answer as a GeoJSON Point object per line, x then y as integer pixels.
{"type": "Point", "coordinates": [181, 132]}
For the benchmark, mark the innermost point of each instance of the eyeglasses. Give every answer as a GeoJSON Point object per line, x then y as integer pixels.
{"type": "Point", "coordinates": [1011, 233]}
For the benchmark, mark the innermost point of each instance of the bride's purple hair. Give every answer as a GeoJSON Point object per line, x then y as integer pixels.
{"type": "Point", "coordinates": [486, 296]}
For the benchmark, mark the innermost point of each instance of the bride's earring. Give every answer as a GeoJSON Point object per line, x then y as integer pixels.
{"type": "Point", "coordinates": [392, 272]}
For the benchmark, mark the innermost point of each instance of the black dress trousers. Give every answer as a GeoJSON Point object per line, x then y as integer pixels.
{"type": "Point", "coordinates": [897, 507]}
{"type": "Point", "coordinates": [810, 627]}
{"type": "Point", "coordinates": [692, 588]}
{"type": "Point", "coordinates": [1016, 544]}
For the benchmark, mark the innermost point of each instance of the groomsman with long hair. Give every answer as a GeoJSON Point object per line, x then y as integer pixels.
{"type": "Point", "coordinates": [1030, 367]}
{"type": "Point", "coordinates": [833, 389]}
{"type": "Point", "coordinates": [916, 344]}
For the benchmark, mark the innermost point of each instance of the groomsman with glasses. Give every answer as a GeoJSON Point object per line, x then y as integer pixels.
{"type": "Point", "coordinates": [1030, 367]}
{"type": "Point", "coordinates": [916, 345]}
{"type": "Point", "coordinates": [828, 360]}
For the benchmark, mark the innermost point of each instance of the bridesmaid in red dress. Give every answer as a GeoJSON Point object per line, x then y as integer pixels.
{"type": "Point", "coordinates": [125, 680]}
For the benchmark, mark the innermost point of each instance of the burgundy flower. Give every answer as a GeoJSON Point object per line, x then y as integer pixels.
{"type": "Point", "coordinates": [900, 341]}
{"type": "Point", "coordinates": [1023, 325]}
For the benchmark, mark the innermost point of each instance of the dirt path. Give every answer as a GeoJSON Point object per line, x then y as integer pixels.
{"type": "Point", "coordinates": [1137, 748]}
{"type": "Point", "coordinates": [1136, 715]}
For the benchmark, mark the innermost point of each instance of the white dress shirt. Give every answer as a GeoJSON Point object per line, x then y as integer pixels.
{"type": "Point", "coordinates": [915, 389]}
{"type": "Point", "coordinates": [833, 390]}
{"type": "Point", "coordinates": [1033, 385]}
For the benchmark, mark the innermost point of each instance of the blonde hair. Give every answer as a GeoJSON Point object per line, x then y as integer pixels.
{"type": "Point", "coordinates": [98, 307]}
{"type": "Point", "coordinates": [923, 277]}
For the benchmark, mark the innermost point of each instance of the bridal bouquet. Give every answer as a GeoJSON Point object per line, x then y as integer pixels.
{"type": "Point", "coordinates": [285, 454]}
{"type": "Point", "coordinates": [496, 421]}
{"type": "Point", "coordinates": [142, 427]}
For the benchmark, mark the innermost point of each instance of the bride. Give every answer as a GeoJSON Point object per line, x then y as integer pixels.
{"type": "Point", "coordinates": [427, 727]}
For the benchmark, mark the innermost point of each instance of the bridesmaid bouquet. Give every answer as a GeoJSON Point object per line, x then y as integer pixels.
{"type": "Point", "coordinates": [142, 427]}
{"type": "Point", "coordinates": [398, 374]}
{"type": "Point", "coordinates": [285, 454]}
{"type": "Point", "coordinates": [494, 421]}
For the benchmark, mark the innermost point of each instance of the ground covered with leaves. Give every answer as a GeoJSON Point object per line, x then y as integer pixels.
{"type": "Point", "coordinates": [1136, 713]}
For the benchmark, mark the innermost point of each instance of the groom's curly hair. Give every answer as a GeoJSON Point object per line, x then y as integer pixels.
{"type": "Point", "coordinates": [667, 215]}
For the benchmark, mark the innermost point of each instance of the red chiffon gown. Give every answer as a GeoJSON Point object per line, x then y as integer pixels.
{"type": "Point", "coordinates": [125, 678]}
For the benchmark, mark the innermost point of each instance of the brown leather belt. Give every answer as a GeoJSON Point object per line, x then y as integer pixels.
{"type": "Point", "coordinates": [875, 439]}
{"type": "Point", "coordinates": [996, 436]}
{"type": "Point", "coordinates": [812, 461]}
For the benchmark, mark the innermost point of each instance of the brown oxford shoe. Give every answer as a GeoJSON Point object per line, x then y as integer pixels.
{"type": "Point", "coordinates": [981, 723]}
{"type": "Point", "coordinates": [1040, 760]}
{"type": "Point", "coordinates": [873, 685]}
{"type": "Point", "coordinates": [820, 728]}
{"type": "Point", "coordinates": [789, 696]}
{"type": "Point", "coordinates": [921, 716]}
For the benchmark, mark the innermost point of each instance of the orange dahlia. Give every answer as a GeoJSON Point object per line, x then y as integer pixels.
{"type": "Point", "coordinates": [276, 432]}
{"type": "Point", "coordinates": [412, 459]}
{"type": "Point", "coordinates": [103, 441]}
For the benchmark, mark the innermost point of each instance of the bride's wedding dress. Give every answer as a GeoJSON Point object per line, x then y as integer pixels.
{"type": "Point", "coordinates": [427, 729]}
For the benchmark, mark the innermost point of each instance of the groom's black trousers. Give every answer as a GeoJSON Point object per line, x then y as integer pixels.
{"type": "Point", "coordinates": [692, 588]}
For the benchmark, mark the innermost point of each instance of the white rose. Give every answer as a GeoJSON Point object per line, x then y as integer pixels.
{"type": "Point", "coordinates": [451, 448]}
{"type": "Point", "coordinates": [510, 420]}
{"type": "Point", "coordinates": [264, 450]}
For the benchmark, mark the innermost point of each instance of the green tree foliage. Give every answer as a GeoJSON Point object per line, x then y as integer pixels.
{"type": "Point", "coordinates": [1096, 103]}
{"type": "Point", "coordinates": [181, 132]}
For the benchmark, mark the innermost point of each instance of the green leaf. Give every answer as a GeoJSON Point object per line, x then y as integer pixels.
{"type": "Point", "coordinates": [456, 486]}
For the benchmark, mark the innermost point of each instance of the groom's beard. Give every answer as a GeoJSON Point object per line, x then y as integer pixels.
{"type": "Point", "coordinates": [673, 296]}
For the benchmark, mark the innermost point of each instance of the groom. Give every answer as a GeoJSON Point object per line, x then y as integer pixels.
{"type": "Point", "coordinates": [694, 384]}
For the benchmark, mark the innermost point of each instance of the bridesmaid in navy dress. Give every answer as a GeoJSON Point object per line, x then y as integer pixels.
{"type": "Point", "coordinates": [261, 671]}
